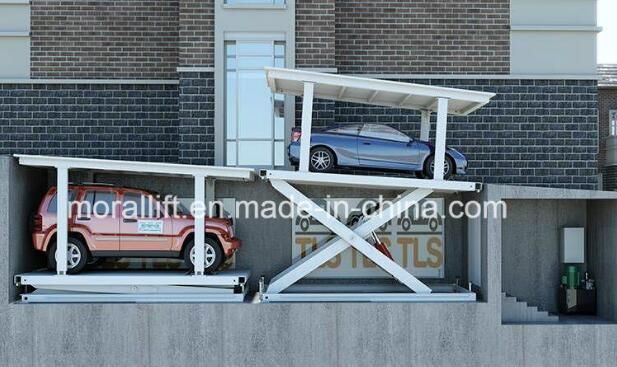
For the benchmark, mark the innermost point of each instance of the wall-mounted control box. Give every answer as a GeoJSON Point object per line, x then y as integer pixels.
{"type": "Point", "coordinates": [573, 245]}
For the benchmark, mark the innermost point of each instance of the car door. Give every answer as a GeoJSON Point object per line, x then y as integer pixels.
{"type": "Point", "coordinates": [381, 146]}
{"type": "Point", "coordinates": [144, 227]}
{"type": "Point", "coordinates": [97, 215]}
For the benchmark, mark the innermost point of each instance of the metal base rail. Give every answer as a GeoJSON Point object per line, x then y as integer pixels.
{"type": "Point", "coordinates": [133, 287]}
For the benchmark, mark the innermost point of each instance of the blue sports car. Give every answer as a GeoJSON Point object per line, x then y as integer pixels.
{"type": "Point", "coordinates": [373, 146]}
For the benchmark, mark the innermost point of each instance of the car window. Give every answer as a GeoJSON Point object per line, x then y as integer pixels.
{"type": "Point", "coordinates": [349, 129]}
{"type": "Point", "coordinates": [138, 205]}
{"type": "Point", "coordinates": [383, 132]}
{"type": "Point", "coordinates": [98, 202]}
{"type": "Point", "coordinates": [52, 207]}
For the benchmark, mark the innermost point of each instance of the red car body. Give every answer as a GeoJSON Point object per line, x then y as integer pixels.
{"type": "Point", "coordinates": [114, 235]}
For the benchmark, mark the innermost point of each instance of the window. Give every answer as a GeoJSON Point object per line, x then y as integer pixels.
{"type": "Point", "coordinates": [383, 132]}
{"type": "Point", "coordinates": [53, 206]}
{"type": "Point", "coordinates": [254, 2]}
{"type": "Point", "coordinates": [254, 134]}
{"type": "Point", "coordinates": [612, 123]}
{"type": "Point", "coordinates": [98, 202]}
{"type": "Point", "coordinates": [349, 130]}
{"type": "Point", "coordinates": [137, 205]}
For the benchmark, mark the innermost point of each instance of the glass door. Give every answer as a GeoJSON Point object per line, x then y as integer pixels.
{"type": "Point", "coordinates": [254, 116]}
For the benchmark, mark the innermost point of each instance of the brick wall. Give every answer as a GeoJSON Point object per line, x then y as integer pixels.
{"type": "Point", "coordinates": [423, 36]}
{"type": "Point", "coordinates": [196, 118]}
{"type": "Point", "coordinates": [536, 133]}
{"type": "Point", "coordinates": [315, 26]}
{"type": "Point", "coordinates": [104, 39]}
{"type": "Point", "coordinates": [196, 33]}
{"type": "Point", "coordinates": [133, 122]}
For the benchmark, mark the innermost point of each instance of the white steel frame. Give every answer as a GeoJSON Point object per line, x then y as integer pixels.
{"type": "Point", "coordinates": [426, 99]}
{"type": "Point", "coordinates": [414, 191]}
{"type": "Point", "coordinates": [64, 164]}
{"type": "Point", "coordinates": [423, 98]}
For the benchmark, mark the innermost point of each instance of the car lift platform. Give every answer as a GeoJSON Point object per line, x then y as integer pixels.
{"type": "Point", "coordinates": [284, 287]}
{"type": "Point", "coordinates": [368, 293]}
{"type": "Point", "coordinates": [134, 287]}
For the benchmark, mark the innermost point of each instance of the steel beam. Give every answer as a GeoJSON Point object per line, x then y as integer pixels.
{"type": "Point", "coordinates": [62, 229]}
{"type": "Point", "coordinates": [425, 125]}
{"type": "Point", "coordinates": [307, 117]}
{"type": "Point", "coordinates": [200, 223]}
{"type": "Point", "coordinates": [440, 137]}
{"type": "Point", "coordinates": [347, 238]}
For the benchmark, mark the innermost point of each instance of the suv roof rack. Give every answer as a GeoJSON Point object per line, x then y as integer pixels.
{"type": "Point", "coordinates": [96, 184]}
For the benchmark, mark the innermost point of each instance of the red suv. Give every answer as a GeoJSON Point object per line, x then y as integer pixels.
{"type": "Point", "coordinates": [113, 222]}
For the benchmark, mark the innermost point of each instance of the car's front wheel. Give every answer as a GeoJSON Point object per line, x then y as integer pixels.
{"type": "Point", "coordinates": [213, 255]}
{"type": "Point", "coordinates": [76, 256]}
{"type": "Point", "coordinates": [321, 159]}
{"type": "Point", "coordinates": [429, 167]}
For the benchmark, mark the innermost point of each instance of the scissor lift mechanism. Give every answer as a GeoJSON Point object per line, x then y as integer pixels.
{"type": "Point", "coordinates": [142, 286]}
{"type": "Point", "coordinates": [426, 99]}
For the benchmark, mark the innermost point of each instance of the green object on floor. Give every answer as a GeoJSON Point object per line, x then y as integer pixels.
{"type": "Point", "coordinates": [573, 276]}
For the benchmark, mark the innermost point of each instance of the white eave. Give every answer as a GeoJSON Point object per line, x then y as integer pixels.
{"type": "Point", "coordinates": [167, 169]}
{"type": "Point", "coordinates": [375, 91]}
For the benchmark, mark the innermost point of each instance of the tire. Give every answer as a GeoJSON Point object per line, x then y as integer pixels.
{"type": "Point", "coordinates": [429, 166]}
{"type": "Point", "coordinates": [212, 248]}
{"type": "Point", "coordinates": [77, 256]}
{"type": "Point", "coordinates": [321, 159]}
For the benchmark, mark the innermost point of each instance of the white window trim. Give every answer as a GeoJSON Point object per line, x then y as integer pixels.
{"type": "Point", "coordinates": [612, 122]}
{"type": "Point", "coordinates": [276, 38]}
{"type": "Point", "coordinates": [253, 23]}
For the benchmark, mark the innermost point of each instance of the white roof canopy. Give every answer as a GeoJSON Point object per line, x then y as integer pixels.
{"type": "Point", "coordinates": [170, 169]}
{"type": "Point", "coordinates": [375, 91]}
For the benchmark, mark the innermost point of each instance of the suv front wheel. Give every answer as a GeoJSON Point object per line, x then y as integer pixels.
{"type": "Point", "coordinates": [76, 256]}
{"type": "Point", "coordinates": [213, 255]}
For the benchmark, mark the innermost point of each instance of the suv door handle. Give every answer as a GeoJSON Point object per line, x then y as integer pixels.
{"type": "Point", "coordinates": [83, 218]}
{"type": "Point", "coordinates": [366, 143]}
{"type": "Point", "coordinates": [129, 220]}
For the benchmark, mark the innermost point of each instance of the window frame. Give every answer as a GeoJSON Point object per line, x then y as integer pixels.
{"type": "Point", "coordinates": [276, 142]}
{"type": "Point", "coordinates": [390, 128]}
{"type": "Point", "coordinates": [612, 123]}
{"type": "Point", "coordinates": [264, 4]}
{"type": "Point", "coordinates": [114, 197]}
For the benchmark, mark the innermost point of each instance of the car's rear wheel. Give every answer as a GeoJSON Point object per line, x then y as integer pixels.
{"type": "Point", "coordinates": [321, 159]}
{"type": "Point", "coordinates": [213, 255]}
{"type": "Point", "coordinates": [76, 256]}
{"type": "Point", "coordinates": [429, 167]}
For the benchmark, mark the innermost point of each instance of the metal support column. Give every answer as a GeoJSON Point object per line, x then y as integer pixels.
{"type": "Point", "coordinates": [440, 137]}
{"type": "Point", "coordinates": [307, 116]}
{"type": "Point", "coordinates": [62, 198]}
{"type": "Point", "coordinates": [200, 223]}
{"type": "Point", "coordinates": [425, 125]}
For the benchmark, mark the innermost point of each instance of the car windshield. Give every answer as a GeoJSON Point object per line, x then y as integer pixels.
{"type": "Point", "coordinates": [383, 132]}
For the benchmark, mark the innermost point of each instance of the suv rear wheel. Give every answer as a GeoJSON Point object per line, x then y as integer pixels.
{"type": "Point", "coordinates": [76, 256]}
{"type": "Point", "coordinates": [213, 255]}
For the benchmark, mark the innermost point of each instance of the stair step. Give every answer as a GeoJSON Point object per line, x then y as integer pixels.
{"type": "Point", "coordinates": [514, 310]}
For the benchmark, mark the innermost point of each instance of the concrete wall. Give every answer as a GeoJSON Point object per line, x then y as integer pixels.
{"type": "Point", "coordinates": [602, 249]}
{"type": "Point", "coordinates": [22, 188]}
{"type": "Point", "coordinates": [531, 269]}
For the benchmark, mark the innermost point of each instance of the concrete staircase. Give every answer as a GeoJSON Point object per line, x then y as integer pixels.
{"type": "Point", "coordinates": [515, 311]}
